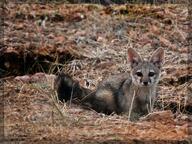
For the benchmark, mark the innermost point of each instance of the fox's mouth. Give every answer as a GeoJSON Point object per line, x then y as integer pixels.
{"type": "Point", "coordinates": [149, 85]}
{"type": "Point", "coordinates": [145, 85]}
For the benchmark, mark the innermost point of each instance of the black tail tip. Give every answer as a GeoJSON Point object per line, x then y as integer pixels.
{"type": "Point", "coordinates": [64, 86]}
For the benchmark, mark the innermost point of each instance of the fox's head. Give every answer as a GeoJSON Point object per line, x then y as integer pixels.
{"type": "Point", "coordinates": [146, 73]}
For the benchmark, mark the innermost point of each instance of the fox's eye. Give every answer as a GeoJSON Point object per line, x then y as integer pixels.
{"type": "Point", "coordinates": [151, 74]}
{"type": "Point", "coordinates": [139, 74]}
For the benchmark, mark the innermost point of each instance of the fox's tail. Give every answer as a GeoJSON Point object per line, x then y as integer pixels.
{"type": "Point", "coordinates": [69, 89]}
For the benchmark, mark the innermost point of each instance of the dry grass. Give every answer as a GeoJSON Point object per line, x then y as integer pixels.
{"type": "Point", "coordinates": [32, 114]}
{"type": "Point", "coordinates": [90, 42]}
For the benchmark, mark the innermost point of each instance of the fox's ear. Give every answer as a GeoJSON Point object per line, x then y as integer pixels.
{"type": "Point", "coordinates": [133, 57]}
{"type": "Point", "coordinates": [157, 57]}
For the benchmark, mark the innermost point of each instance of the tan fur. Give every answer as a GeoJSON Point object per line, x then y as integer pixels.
{"type": "Point", "coordinates": [107, 96]}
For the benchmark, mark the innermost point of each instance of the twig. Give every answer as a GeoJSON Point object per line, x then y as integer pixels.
{"type": "Point", "coordinates": [131, 107]}
{"type": "Point", "coordinates": [71, 95]}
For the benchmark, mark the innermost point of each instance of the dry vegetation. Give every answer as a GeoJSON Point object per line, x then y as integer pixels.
{"type": "Point", "coordinates": [90, 42]}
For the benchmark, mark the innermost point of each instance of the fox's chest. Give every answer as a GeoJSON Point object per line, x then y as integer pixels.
{"type": "Point", "coordinates": [144, 95]}
{"type": "Point", "coordinates": [138, 99]}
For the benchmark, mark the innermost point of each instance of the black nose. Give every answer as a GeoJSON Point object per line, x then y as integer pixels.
{"type": "Point", "coordinates": [145, 83]}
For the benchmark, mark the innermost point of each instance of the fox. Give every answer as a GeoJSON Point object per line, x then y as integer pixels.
{"type": "Point", "coordinates": [132, 94]}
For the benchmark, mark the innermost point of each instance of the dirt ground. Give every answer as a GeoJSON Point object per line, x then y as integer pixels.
{"type": "Point", "coordinates": [90, 42]}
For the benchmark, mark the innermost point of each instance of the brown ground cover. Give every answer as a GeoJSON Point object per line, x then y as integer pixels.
{"type": "Point", "coordinates": [90, 42]}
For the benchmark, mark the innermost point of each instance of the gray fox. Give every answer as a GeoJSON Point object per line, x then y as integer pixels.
{"type": "Point", "coordinates": [127, 93]}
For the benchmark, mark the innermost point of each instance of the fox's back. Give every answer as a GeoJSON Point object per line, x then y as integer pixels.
{"type": "Point", "coordinates": [114, 81]}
